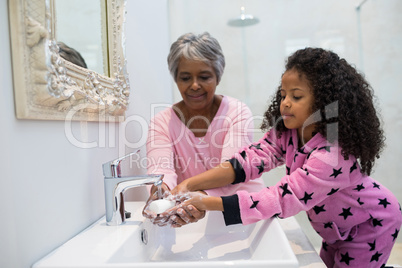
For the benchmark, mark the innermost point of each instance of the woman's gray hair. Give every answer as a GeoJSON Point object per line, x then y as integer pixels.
{"type": "Point", "coordinates": [201, 47]}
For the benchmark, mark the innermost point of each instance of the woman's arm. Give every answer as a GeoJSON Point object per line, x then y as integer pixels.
{"type": "Point", "coordinates": [160, 154]}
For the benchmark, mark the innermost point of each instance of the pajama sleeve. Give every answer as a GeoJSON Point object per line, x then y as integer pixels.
{"type": "Point", "coordinates": [238, 128]}
{"type": "Point", "coordinates": [322, 172]}
{"type": "Point", "coordinates": [257, 158]}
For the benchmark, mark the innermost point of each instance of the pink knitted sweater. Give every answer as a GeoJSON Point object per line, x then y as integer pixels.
{"type": "Point", "coordinates": [174, 150]}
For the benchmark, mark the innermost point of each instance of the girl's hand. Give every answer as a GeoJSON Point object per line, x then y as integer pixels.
{"type": "Point", "coordinates": [186, 215]}
{"type": "Point", "coordinates": [187, 211]}
{"type": "Point", "coordinates": [191, 208]}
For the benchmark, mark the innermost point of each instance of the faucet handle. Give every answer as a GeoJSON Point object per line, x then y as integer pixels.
{"type": "Point", "coordinates": [112, 168]}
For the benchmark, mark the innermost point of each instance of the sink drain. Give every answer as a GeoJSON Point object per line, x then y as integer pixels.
{"type": "Point", "coordinates": [144, 236]}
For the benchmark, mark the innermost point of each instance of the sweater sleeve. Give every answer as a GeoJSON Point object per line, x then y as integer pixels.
{"type": "Point", "coordinates": [240, 128]}
{"type": "Point", "coordinates": [160, 154]}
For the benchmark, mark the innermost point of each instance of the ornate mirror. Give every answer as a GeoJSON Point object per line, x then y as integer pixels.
{"type": "Point", "coordinates": [48, 83]}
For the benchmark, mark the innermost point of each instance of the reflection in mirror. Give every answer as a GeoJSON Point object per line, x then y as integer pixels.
{"type": "Point", "coordinates": [47, 86]}
{"type": "Point", "coordinates": [83, 29]}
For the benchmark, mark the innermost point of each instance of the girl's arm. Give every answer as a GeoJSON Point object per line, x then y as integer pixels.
{"type": "Point", "coordinates": [221, 175]}
{"type": "Point", "coordinates": [203, 202]}
{"type": "Point", "coordinates": [198, 200]}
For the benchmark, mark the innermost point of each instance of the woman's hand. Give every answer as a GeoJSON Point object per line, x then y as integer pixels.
{"type": "Point", "coordinates": [154, 195]}
{"type": "Point", "coordinates": [181, 188]}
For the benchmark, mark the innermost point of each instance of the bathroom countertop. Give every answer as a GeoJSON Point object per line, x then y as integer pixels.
{"type": "Point", "coordinates": [301, 245]}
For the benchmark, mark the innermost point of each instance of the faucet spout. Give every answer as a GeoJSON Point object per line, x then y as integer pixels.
{"type": "Point", "coordinates": [116, 185]}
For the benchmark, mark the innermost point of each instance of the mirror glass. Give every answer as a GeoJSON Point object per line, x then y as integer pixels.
{"type": "Point", "coordinates": [82, 28]}
{"type": "Point", "coordinates": [49, 84]}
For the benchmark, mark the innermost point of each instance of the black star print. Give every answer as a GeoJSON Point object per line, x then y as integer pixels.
{"type": "Point", "coordinates": [326, 148]}
{"type": "Point", "coordinates": [285, 189]}
{"type": "Point", "coordinates": [277, 215]}
{"type": "Point", "coordinates": [360, 202]}
{"type": "Point", "coordinates": [375, 257]}
{"type": "Point", "coordinates": [290, 141]}
{"type": "Point", "coordinates": [261, 167]}
{"type": "Point", "coordinates": [324, 246]}
{"type": "Point", "coordinates": [283, 151]}
{"type": "Point", "coordinates": [395, 235]}
{"type": "Point", "coordinates": [336, 172]}
{"type": "Point", "coordinates": [308, 156]}
{"type": "Point", "coordinates": [258, 146]}
{"type": "Point", "coordinates": [306, 197]}
{"type": "Point", "coordinates": [255, 203]}
{"type": "Point", "coordinates": [350, 238]}
{"type": "Point", "coordinates": [384, 202]}
{"type": "Point", "coordinates": [306, 171]}
{"type": "Point", "coordinates": [294, 159]}
{"type": "Point", "coordinates": [377, 222]}
{"type": "Point", "coordinates": [287, 170]}
{"type": "Point", "coordinates": [346, 213]}
{"type": "Point", "coordinates": [328, 225]}
{"type": "Point", "coordinates": [372, 246]}
{"type": "Point", "coordinates": [243, 154]}
{"type": "Point", "coordinates": [353, 167]}
{"type": "Point", "coordinates": [345, 258]}
{"type": "Point", "coordinates": [359, 187]}
{"type": "Point", "coordinates": [301, 150]}
{"type": "Point", "coordinates": [270, 143]}
{"type": "Point", "coordinates": [375, 185]}
{"type": "Point", "coordinates": [333, 191]}
{"type": "Point", "coordinates": [318, 209]}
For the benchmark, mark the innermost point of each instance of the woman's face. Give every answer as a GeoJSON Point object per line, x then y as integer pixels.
{"type": "Point", "coordinates": [296, 102]}
{"type": "Point", "coordinates": [197, 83]}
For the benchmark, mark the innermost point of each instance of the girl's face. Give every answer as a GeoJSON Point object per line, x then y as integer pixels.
{"type": "Point", "coordinates": [197, 83]}
{"type": "Point", "coordinates": [296, 102]}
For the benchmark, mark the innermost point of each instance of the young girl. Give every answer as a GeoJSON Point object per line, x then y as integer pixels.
{"type": "Point", "coordinates": [323, 126]}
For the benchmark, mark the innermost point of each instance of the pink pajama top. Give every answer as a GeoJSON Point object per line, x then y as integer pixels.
{"type": "Point", "coordinates": [319, 180]}
{"type": "Point", "coordinates": [174, 150]}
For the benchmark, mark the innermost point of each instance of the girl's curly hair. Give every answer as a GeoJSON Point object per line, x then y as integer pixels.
{"type": "Point", "coordinates": [343, 98]}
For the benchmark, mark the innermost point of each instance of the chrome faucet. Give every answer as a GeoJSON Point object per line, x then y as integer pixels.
{"type": "Point", "coordinates": [116, 185]}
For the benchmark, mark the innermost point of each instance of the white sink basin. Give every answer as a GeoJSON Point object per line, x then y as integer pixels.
{"type": "Point", "coordinates": [207, 243]}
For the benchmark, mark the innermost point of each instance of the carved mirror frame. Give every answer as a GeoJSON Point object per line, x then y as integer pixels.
{"type": "Point", "coordinates": [46, 86]}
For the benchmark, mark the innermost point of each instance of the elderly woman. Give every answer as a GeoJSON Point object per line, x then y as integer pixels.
{"type": "Point", "coordinates": [200, 131]}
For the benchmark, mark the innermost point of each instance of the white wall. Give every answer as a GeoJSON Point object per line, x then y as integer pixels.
{"type": "Point", "coordinates": [50, 189]}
